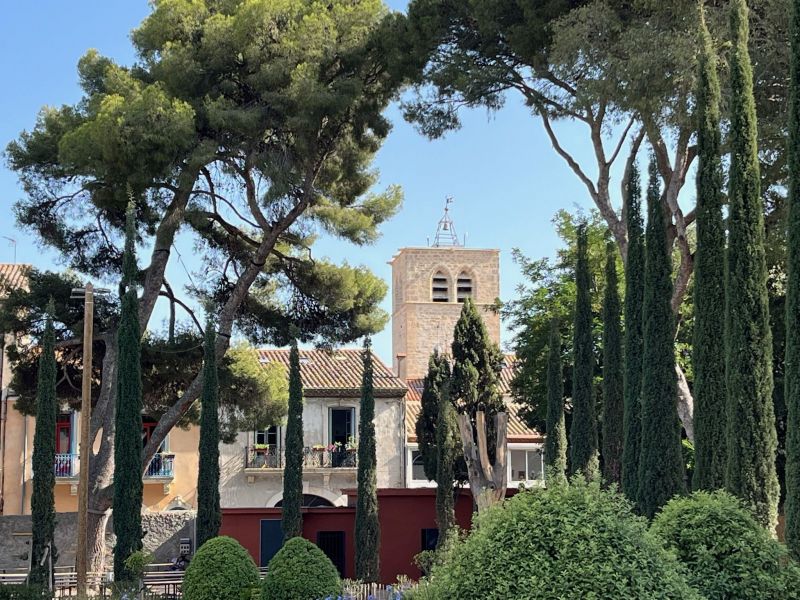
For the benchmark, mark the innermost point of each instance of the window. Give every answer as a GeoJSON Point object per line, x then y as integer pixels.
{"type": "Point", "coordinates": [526, 465]}
{"type": "Point", "coordinates": [342, 427]}
{"type": "Point", "coordinates": [310, 501]}
{"type": "Point", "coordinates": [148, 427]}
{"type": "Point", "coordinates": [463, 287]}
{"type": "Point", "coordinates": [267, 437]}
{"type": "Point", "coordinates": [417, 466]}
{"type": "Point", "coordinates": [429, 539]}
{"type": "Point", "coordinates": [64, 434]}
{"type": "Point", "coordinates": [440, 291]}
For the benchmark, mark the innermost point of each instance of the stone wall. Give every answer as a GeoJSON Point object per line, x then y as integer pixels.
{"type": "Point", "coordinates": [163, 533]}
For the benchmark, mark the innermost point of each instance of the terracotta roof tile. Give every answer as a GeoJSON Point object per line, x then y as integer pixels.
{"type": "Point", "coordinates": [13, 276]}
{"type": "Point", "coordinates": [337, 372]}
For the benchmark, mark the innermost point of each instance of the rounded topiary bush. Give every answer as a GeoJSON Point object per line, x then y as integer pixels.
{"type": "Point", "coordinates": [300, 571]}
{"type": "Point", "coordinates": [569, 541]}
{"type": "Point", "coordinates": [220, 570]}
{"type": "Point", "coordinates": [726, 552]}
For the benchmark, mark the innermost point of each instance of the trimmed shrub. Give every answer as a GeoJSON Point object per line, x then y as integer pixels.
{"type": "Point", "coordinates": [300, 571]}
{"type": "Point", "coordinates": [23, 592]}
{"type": "Point", "coordinates": [575, 541]}
{"type": "Point", "coordinates": [220, 570]}
{"type": "Point", "coordinates": [726, 552]}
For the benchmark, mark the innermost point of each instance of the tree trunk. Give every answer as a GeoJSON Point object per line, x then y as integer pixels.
{"type": "Point", "coordinates": [96, 539]}
{"type": "Point", "coordinates": [487, 480]}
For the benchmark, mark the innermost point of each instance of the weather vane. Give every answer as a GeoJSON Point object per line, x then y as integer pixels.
{"type": "Point", "coordinates": [446, 230]}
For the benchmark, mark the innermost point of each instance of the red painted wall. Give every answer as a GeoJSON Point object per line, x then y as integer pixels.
{"type": "Point", "coordinates": [403, 514]}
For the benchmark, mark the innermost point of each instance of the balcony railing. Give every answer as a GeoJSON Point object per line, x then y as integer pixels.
{"type": "Point", "coordinates": [161, 466]}
{"type": "Point", "coordinates": [66, 465]}
{"type": "Point", "coordinates": [270, 457]}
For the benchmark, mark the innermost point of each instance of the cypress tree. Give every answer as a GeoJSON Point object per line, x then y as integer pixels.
{"type": "Point", "coordinates": [43, 512]}
{"type": "Point", "coordinates": [632, 379]}
{"type": "Point", "coordinates": [368, 528]}
{"type": "Point", "coordinates": [792, 504]}
{"type": "Point", "coordinates": [429, 414]}
{"type": "Point", "coordinates": [291, 513]}
{"type": "Point", "coordinates": [128, 418]}
{"type": "Point", "coordinates": [555, 444]}
{"type": "Point", "coordinates": [751, 437]}
{"type": "Point", "coordinates": [708, 353]}
{"type": "Point", "coordinates": [661, 467]}
{"type": "Point", "coordinates": [448, 445]}
{"type": "Point", "coordinates": [208, 511]}
{"type": "Point", "coordinates": [583, 433]}
{"type": "Point", "coordinates": [612, 373]}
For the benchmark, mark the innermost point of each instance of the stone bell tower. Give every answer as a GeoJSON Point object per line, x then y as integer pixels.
{"type": "Point", "coordinates": [429, 284]}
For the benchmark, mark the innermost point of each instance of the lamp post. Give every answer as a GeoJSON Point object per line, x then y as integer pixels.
{"type": "Point", "coordinates": [81, 556]}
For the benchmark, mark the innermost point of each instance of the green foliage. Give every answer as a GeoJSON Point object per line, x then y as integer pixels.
{"type": "Point", "coordinates": [368, 528]}
{"type": "Point", "coordinates": [448, 452]}
{"type": "Point", "coordinates": [583, 432]}
{"type": "Point", "coordinates": [727, 554]}
{"type": "Point", "coordinates": [580, 542]}
{"type": "Point", "coordinates": [300, 571]}
{"type": "Point", "coordinates": [291, 515]}
{"type": "Point", "coordinates": [23, 592]}
{"type": "Point", "coordinates": [128, 487]}
{"type": "Point", "coordinates": [751, 437]}
{"type": "Point", "coordinates": [438, 375]}
{"type": "Point", "coordinates": [548, 292]}
{"type": "Point", "coordinates": [43, 517]}
{"type": "Point", "coordinates": [555, 444]}
{"type": "Point", "coordinates": [632, 377]}
{"type": "Point", "coordinates": [661, 467]}
{"type": "Point", "coordinates": [612, 373]}
{"type": "Point", "coordinates": [792, 389]}
{"type": "Point", "coordinates": [221, 569]}
{"type": "Point", "coordinates": [709, 280]}
{"type": "Point", "coordinates": [209, 515]}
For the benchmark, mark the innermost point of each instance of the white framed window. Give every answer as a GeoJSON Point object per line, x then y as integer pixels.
{"type": "Point", "coordinates": [526, 465]}
{"type": "Point", "coordinates": [417, 466]}
{"type": "Point", "coordinates": [267, 437]}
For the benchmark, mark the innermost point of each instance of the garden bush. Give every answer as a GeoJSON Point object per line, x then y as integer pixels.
{"type": "Point", "coordinates": [726, 552]}
{"type": "Point", "coordinates": [300, 571]}
{"type": "Point", "coordinates": [23, 592]}
{"type": "Point", "coordinates": [575, 541]}
{"type": "Point", "coordinates": [220, 570]}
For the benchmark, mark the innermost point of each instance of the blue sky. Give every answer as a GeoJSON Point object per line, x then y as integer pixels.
{"type": "Point", "coordinates": [505, 178]}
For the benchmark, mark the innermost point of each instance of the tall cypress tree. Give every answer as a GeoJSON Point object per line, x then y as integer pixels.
{"type": "Point", "coordinates": [632, 380]}
{"type": "Point", "coordinates": [448, 445]}
{"type": "Point", "coordinates": [661, 467]}
{"type": "Point", "coordinates": [128, 418]}
{"type": "Point", "coordinates": [708, 353]}
{"type": "Point", "coordinates": [612, 373]}
{"type": "Point", "coordinates": [209, 516]}
{"type": "Point", "coordinates": [43, 512]}
{"type": "Point", "coordinates": [555, 444]}
{"type": "Point", "coordinates": [792, 504]}
{"type": "Point", "coordinates": [751, 437]}
{"type": "Point", "coordinates": [583, 433]}
{"type": "Point", "coordinates": [427, 419]}
{"type": "Point", "coordinates": [291, 513]}
{"type": "Point", "coordinates": [368, 528]}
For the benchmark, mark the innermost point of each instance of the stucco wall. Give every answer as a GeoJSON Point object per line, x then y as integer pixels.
{"type": "Point", "coordinates": [264, 487]}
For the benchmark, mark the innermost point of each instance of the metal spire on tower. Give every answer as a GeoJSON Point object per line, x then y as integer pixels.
{"type": "Point", "coordinates": [446, 230]}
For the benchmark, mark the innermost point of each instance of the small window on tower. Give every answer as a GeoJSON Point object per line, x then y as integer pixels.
{"type": "Point", "coordinates": [439, 288]}
{"type": "Point", "coordinates": [464, 287]}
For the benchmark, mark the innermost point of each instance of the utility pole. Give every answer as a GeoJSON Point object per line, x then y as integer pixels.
{"type": "Point", "coordinates": [81, 557]}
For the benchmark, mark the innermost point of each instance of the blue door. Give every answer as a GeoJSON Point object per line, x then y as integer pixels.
{"type": "Point", "coordinates": [271, 539]}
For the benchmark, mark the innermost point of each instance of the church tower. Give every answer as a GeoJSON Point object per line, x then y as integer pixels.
{"type": "Point", "coordinates": [428, 286]}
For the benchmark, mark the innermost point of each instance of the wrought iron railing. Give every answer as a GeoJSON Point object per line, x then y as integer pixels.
{"type": "Point", "coordinates": [161, 465]}
{"type": "Point", "coordinates": [271, 457]}
{"type": "Point", "coordinates": [65, 465]}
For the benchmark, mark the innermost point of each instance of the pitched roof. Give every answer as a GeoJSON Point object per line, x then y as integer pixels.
{"type": "Point", "coordinates": [518, 431]}
{"type": "Point", "coordinates": [337, 373]}
{"type": "Point", "coordinates": [13, 276]}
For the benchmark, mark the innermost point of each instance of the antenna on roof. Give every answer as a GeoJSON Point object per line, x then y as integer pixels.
{"type": "Point", "coordinates": [446, 230]}
{"type": "Point", "coordinates": [13, 243]}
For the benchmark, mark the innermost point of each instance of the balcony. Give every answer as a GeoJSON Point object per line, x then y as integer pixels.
{"type": "Point", "coordinates": [261, 460]}
{"type": "Point", "coordinates": [66, 466]}
{"type": "Point", "coordinates": [160, 467]}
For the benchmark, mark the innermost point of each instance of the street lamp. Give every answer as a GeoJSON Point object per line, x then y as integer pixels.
{"type": "Point", "coordinates": [81, 558]}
